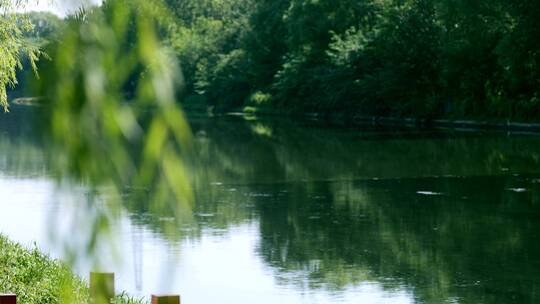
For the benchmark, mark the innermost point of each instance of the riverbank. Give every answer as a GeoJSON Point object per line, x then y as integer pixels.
{"type": "Point", "coordinates": [36, 278]}
{"type": "Point", "coordinates": [352, 119]}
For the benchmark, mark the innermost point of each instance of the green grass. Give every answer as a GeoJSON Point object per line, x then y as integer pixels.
{"type": "Point", "coordinates": [37, 279]}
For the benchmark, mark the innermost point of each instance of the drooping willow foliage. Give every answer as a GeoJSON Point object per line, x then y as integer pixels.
{"type": "Point", "coordinates": [111, 120]}
{"type": "Point", "coordinates": [13, 44]}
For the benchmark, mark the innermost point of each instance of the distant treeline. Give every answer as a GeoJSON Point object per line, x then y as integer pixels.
{"type": "Point", "coordinates": [376, 57]}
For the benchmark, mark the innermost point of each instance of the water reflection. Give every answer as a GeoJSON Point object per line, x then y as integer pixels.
{"type": "Point", "coordinates": [474, 244]}
{"type": "Point", "coordinates": [296, 213]}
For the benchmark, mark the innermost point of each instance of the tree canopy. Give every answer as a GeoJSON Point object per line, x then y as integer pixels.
{"type": "Point", "coordinates": [394, 57]}
{"type": "Point", "coordinates": [369, 57]}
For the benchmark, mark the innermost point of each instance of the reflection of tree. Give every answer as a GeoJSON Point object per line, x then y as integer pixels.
{"type": "Point", "coordinates": [233, 151]}
{"type": "Point", "coordinates": [479, 249]}
{"type": "Point", "coordinates": [337, 234]}
{"type": "Point", "coordinates": [324, 221]}
{"type": "Point", "coordinates": [325, 224]}
{"type": "Point", "coordinates": [21, 151]}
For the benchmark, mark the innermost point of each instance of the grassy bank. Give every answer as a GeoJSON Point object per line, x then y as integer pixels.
{"type": "Point", "coordinates": [38, 279]}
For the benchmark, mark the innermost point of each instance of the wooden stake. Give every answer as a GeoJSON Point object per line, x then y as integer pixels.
{"type": "Point", "coordinates": [8, 299]}
{"type": "Point", "coordinates": [168, 299]}
{"type": "Point", "coordinates": [101, 287]}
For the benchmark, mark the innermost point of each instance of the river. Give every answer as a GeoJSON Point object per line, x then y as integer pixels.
{"type": "Point", "coordinates": [303, 212]}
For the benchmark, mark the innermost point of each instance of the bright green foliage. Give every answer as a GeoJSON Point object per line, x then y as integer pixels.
{"type": "Point", "coordinates": [208, 40]}
{"type": "Point", "coordinates": [12, 45]}
{"type": "Point", "coordinates": [86, 83]}
{"type": "Point", "coordinates": [35, 278]}
{"type": "Point", "coordinates": [111, 119]}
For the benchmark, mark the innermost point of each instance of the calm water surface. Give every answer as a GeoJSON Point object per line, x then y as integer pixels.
{"type": "Point", "coordinates": [299, 213]}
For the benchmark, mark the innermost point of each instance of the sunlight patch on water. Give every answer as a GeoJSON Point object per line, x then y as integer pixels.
{"type": "Point", "coordinates": [429, 193]}
{"type": "Point", "coordinates": [517, 190]}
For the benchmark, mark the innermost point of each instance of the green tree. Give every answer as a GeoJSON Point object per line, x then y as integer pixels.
{"type": "Point", "coordinates": [207, 39]}
{"type": "Point", "coordinates": [519, 59]}
{"type": "Point", "coordinates": [13, 44]}
{"type": "Point", "coordinates": [44, 26]}
{"type": "Point", "coordinates": [470, 33]}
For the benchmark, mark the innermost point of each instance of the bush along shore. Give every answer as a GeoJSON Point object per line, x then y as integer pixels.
{"type": "Point", "coordinates": [37, 279]}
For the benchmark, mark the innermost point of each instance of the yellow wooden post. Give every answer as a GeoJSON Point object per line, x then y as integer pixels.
{"type": "Point", "coordinates": [101, 287]}
{"type": "Point", "coordinates": [165, 299]}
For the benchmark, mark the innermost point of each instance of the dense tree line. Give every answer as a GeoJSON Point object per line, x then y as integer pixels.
{"type": "Point", "coordinates": [375, 57]}
{"type": "Point", "coordinates": [392, 57]}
